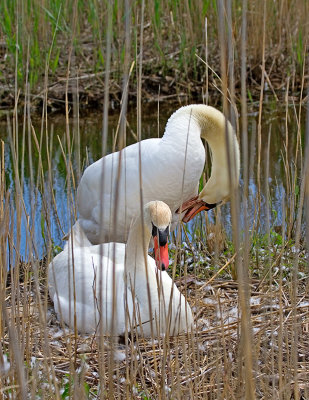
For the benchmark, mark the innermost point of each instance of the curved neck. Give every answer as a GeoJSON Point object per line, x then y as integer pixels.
{"type": "Point", "coordinates": [183, 127]}
{"type": "Point", "coordinates": [198, 121]}
{"type": "Point", "coordinates": [221, 138]}
{"type": "Point", "coordinates": [137, 248]}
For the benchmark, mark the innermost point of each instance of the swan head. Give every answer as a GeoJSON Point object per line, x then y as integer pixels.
{"type": "Point", "coordinates": [158, 216]}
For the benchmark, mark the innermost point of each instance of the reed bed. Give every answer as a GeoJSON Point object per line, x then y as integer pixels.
{"type": "Point", "coordinates": [58, 45]}
{"type": "Point", "coordinates": [205, 365]}
{"type": "Point", "coordinates": [248, 287]}
{"type": "Point", "coordinates": [43, 359]}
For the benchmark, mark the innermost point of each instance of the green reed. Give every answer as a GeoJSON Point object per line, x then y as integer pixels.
{"type": "Point", "coordinates": [174, 32]}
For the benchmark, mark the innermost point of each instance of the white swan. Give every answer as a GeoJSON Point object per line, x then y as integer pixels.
{"type": "Point", "coordinates": [170, 169]}
{"type": "Point", "coordinates": [113, 284]}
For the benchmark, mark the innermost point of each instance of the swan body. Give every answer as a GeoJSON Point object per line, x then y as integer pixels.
{"type": "Point", "coordinates": [107, 288]}
{"type": "Point", "coordinates": [170, 171]}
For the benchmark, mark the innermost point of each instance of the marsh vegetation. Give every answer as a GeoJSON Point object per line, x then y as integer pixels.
{"type": "Point", "coordinates": [81, 79]}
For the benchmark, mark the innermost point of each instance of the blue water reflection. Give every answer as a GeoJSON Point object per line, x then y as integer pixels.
{"type": "Point", "coordinates": [48, 207]}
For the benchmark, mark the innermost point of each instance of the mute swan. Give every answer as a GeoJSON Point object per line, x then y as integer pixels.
{"type": "Point", "coordinates": [170, 169]}
{"type": "Point", "coordinates": [98, 269]}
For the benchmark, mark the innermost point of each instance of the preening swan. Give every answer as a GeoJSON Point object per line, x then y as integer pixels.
{"type": "Point", "coordinates": [111, 287]}
{"type": "Point", "coordinates": [170, 169]}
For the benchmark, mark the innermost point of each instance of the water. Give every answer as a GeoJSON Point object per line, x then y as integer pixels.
{"type": "Point", "coordinates": [48, 206]}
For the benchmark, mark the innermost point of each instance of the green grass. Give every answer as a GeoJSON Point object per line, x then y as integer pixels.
{"type": "Point", "coordinates": [42, 33]}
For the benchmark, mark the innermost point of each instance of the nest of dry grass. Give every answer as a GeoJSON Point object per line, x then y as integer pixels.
{"type": "Point", "coordinates": [58, 363]}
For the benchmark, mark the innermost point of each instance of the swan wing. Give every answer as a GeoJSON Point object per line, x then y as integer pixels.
{"type": "Point", "coordinates": [162, 178]}
{"type": "Point", "coordinates": [91, 288]}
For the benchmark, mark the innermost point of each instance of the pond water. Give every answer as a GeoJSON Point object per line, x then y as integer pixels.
{"type": "Point", "coordinates": [48, 200]}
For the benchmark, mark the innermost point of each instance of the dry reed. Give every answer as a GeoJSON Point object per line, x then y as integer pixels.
{"type": "Point", "coordinates": [251, 336]}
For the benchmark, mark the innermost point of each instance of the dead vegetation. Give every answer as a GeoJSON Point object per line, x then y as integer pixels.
{"type": "Point", "coordinates": [206, 365]}
{"type": "Point", "coordinates": [248, 290]}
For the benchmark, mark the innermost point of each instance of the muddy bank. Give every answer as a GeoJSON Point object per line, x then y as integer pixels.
{"type": "Point", "coordinates": [85, 87]}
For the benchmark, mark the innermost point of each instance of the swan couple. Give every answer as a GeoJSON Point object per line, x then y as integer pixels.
{"type": "Point", "coordinates": [100, 284]}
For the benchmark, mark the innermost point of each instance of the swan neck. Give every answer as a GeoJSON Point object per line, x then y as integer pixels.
{"type": "Point", "coordinates": [137, 247]}
{"type": "Point", "coordinates": [221, 138]}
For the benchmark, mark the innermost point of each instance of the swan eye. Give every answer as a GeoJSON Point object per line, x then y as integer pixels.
{"type": "Point", "coordinates": [154, 230]}
{"type": "Point", "coordinates": [162, 234]}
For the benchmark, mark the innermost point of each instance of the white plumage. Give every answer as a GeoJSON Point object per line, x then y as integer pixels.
{"type": "Point", "coordinates": [107, 287]}
{"type": "Point", "coordinates": [170, 168]}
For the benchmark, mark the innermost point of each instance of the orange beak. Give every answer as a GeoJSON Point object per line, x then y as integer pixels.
{"type": "Point", "coordinates": [161, 255]}
{"type": "Point", "coordinates": [193, 207]}
{"type": "Point", "coordinates": [192, 212]}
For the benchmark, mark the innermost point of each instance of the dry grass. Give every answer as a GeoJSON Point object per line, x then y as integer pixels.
{"type": "Point", "coordinates": [39, 358]}
{"type": "Point", "coordinates": [206, 365]}
{"type": "Point", "coordinates": [250, 292]}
